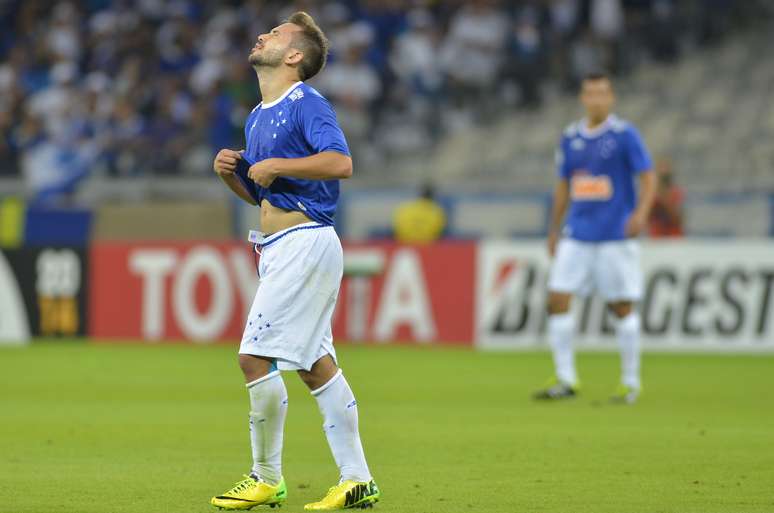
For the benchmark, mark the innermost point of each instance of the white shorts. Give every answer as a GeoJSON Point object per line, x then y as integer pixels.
{"type": "Point", "coordinates": [290, 320]}
{"type": "Point", "coordinates": [611, 269]}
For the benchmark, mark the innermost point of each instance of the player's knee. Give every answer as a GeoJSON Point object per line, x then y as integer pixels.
{"type": "Point", "coordinates": [309, 379]}
{"type": "Point", "coordinates": [253, 367]}
{"type": "Point", "coordinates": [246, 364]}
{"type": "Point", "coordinates": [322, 372]}
{"type": "Point", "coordinates": [558, 304]}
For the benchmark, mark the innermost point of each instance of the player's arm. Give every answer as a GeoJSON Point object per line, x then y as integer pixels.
{"type": "Point", "coordinates": [561, 197]}
{"type": "Point", "coordinates": [236, 186]}
{"type": "Point", "coordinates": [225, 165]}
{"type": "Point", "coordinates": [328, 165]}
{"type": "Point", "coordinates": [558, 210]}
{"type": "Point", "coordinates": [642, 166]}
{"type": "Point", "coordinates": [639, 217]}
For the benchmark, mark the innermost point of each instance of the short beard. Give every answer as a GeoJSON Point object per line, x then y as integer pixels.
{"type": "Point", "coordinates": [266, 60]}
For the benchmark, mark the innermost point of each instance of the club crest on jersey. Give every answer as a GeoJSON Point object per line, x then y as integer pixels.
{"type": "Point", "coordinates": [607, 147]}
{"type": "Point", "coordinates": [577, 144]}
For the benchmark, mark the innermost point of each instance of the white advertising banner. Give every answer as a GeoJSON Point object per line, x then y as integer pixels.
{"type": "Point", "coordinates": [14, 327]}
{"type": "Point", "coordinates": [699, 295]}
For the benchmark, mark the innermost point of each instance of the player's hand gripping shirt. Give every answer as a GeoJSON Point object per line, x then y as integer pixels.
{"type": "Point", "coordinates": [601, 166]}
{"type": "Point", "coordinates": [298, 124]}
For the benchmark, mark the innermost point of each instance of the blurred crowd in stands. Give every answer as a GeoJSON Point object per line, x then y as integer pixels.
{"type": "Point", "coordinates": [154, 87]}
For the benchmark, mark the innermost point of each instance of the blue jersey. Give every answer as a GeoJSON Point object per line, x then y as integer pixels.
{"type": "Point", "coordinates": [298, 124]}
{"type": "Point", "coordinates": [601, 166]}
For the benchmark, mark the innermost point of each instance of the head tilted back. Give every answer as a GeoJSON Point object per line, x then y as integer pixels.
{"type": "Point", "coordinates": [310, 41]}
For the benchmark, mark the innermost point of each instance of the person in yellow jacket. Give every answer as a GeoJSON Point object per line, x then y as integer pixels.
{"type": "Point", "coordinates": [11, 222]}
{"type": "Point", "coordinates": [419, 221]}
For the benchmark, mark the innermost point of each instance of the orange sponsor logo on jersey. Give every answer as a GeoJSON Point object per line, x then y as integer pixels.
{"type": "Point", "coordinates": [591, 188]}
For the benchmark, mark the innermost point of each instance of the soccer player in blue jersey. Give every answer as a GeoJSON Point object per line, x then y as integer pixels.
{"type": "Point", "coordinates": [602, 162]}
{"type": "Point", "coordinates": [294, 157]}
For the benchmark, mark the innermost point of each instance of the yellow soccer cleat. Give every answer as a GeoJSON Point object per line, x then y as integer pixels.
{"type": "Point", "coordinates": [251, 492]}
{"type": "Point", "coordinates": [556, 390]}
{"type": "Point", "coordinates": [625, 394]}
{"type": "Point", "coordinates": [347, 494]}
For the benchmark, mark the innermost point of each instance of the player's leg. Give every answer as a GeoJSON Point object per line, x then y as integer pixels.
{"type": "Point", "coordinates": [570, 273]}
{"type": "Point", "coordinates": [338, 407]}
{"type": "Point", "coordinates": [561, 326]}
{"type": "Point", "coordinates": [628, 334]}
{"type": "Point", "coordinates": [268, 397]}
{"type": "Point", "coordinates": [268, 409]}
{"type": "Point", "coordinates": [620, 278]}
{"type": "Point", "coordinates": [339, 410]}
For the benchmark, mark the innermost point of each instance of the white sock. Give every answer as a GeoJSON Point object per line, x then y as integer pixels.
{"type": "Point", "coordinates": [628, 331]}
{"type": "Point", "coordinates": [268, 409]}
{"type": "Point", "coordinates": [560, 331]}
{"type": "Point", "coordinates": [339, 410]}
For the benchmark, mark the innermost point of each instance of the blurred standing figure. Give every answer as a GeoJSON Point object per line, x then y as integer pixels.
{"type": "Point", "coordinates": [600, 158]}
{"type": "Point", "coordinates": [666, 217]}
{"type": "Point", "coordinates": [472, 52]}
{"type": "Point", "coordinates": [294, 157]}
{"type": "Point", "coordinates": [525, 63]}
{"type": "Point", "coordinates": [421, 220]}
{"type": "Point", "coordinates": [606, 19]}
{"type": "Point", "coordinates": [353, 85]}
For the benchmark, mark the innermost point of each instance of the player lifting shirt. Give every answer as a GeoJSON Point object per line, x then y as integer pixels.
{"type": "Point", "coordinates": [295, 155]}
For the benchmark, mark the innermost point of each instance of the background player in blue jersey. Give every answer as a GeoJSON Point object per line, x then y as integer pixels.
{"type": "Point", "coordinates": [600, 161]}
{"type": "Point", "coordinates": [294, 156]}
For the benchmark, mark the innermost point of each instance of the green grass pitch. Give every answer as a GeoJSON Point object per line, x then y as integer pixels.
{"type": "Point", "coordinates": [155, 429]}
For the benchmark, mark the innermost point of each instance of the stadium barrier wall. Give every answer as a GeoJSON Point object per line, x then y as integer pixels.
{"type": "Point", "coordinates": [43, 292]}
{"type": "Point", "coordinates": [164, 221]}
{"type": "Point", "coordinates": [367, 214]}
{"type": "Point", "coordinates": [699, 295]}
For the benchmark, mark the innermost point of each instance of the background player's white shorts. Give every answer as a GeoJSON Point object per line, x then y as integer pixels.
{"type": "Point", "coordinates": [612, 269]}
{"type": "Point", "coordinates": [300, 273]}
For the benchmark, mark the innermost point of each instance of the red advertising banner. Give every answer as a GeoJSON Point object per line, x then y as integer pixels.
{"type": "Point", "coordinates": [165, 291]}
{"type": "Point", "coordinates": [408, 293]}
{"type": "Point", "coordinates": [201, 291]}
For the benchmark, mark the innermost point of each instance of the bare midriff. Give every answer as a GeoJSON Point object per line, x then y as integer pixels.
{"type": "Point", "coordinates": [274, 219]}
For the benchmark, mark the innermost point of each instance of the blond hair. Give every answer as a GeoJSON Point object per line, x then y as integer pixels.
{"type": "Point", "coordinates": [311, 41]}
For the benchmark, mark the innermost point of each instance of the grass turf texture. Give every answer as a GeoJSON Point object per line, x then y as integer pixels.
{"type": "Point", "coordinates": [163, 428]}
